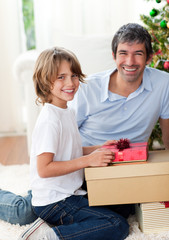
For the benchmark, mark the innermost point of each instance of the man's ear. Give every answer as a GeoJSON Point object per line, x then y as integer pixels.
{"type": "Point", "coordinates": [150, 59]}
{"type": "Point", "coordinates": [113, 56]}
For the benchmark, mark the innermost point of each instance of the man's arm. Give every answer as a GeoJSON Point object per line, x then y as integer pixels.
{"type": "Point", "coordinates": [164, 124]}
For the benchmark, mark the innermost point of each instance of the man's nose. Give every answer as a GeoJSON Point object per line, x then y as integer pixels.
{"type": "Point", "coordinates": [130, 60]}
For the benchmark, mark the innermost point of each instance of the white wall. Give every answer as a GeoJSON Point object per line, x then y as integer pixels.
{"type": "Point", "coordinates": [85, 17]}
{"type": "Point", "coordinates": [10, 48]}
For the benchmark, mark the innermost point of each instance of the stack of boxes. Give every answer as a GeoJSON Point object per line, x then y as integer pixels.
{"type": "Point", "coordinates": [141, 182]}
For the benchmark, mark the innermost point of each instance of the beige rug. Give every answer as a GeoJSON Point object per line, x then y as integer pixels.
{"type": "Point", "coordinates": [15, 178]}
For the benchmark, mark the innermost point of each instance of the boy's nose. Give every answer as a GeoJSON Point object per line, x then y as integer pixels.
{"type": "Point", "coordinates": [69, 80]}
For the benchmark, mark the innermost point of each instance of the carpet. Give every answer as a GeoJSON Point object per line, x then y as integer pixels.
{"type": "Point", "coordinates": [15, 178]}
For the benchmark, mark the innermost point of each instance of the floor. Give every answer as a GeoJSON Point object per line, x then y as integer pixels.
{"type": "Point", "coordinates": [13, 150]}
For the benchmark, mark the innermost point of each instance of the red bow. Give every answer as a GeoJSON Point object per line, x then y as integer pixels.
{"type": "Point", "coordinates": [123, 143]}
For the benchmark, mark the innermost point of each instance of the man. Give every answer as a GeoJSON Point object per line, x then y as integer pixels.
{"type": "Point", "coordinates": [124, 102]}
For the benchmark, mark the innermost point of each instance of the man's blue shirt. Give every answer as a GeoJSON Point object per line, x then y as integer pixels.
{"type": "Point", "coordinates": [103, 115]}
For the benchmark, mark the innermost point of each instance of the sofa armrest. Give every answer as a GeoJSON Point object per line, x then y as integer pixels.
{"type": "Point", "coordinates": [23, 72]}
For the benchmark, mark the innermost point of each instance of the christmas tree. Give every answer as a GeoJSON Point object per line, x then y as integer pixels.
{"type": "Point", "coordinates": [157, 24]}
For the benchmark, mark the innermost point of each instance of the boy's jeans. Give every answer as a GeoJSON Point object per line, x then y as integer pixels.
{"type": "Point", "coordinates": [73, 219]}
{"type": "Point", "coordinates": [16, 209]}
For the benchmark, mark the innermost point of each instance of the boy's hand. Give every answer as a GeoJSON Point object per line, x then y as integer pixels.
{"type": "Point", "coordinates": [100, 158]}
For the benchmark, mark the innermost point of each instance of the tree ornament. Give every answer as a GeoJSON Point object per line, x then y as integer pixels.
{"type": "Point", "coordinates": [166, 65]}
{"type": "Point", "coordinates": [159, 52]}
{"type": "Point", "coordinates": [158, 1]}
{"type": "Point", "coordinates": [163, 24]}
{"type": "Point", "coordinates": [167, 9]}
{"type": "Point", "coordinates": [153, 12]}
{"type": "Point", "coordinates": [168, 25]}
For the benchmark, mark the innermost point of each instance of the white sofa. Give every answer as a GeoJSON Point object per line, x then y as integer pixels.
{"type": "Point", "coordinates": [93, 52]}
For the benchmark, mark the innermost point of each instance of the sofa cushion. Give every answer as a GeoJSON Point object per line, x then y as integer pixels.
{"type": "Point", "coordinates": [94, 52]}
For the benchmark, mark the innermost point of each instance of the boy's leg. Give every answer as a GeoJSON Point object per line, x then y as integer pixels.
{"type": "Point", "coordinates": [16, 209]}
{"type": "Point", "coordinates": [38, 230]}
{"type": "Point", "coordinates": [73, 219]}
{"type": "Point", "coordinates": [96, 223]}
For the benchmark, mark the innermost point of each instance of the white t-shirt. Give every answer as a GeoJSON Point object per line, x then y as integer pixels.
{"type": "Point", "coordinates": [56, 132]}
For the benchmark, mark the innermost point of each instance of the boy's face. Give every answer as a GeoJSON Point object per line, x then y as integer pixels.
{"type": "Point", "coordinates": [131, 61]}
{"type": "Point", "coordinates": [65, 85]}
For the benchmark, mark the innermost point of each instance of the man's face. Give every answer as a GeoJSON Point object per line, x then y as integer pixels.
{"type": "Point", "coordinates": [131, 61]}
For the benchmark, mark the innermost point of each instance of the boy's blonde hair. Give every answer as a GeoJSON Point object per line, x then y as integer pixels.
{"type": "Point", "coordinates": [46, 69]}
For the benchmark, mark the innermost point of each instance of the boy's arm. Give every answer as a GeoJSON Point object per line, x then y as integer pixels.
{"type": "Point", "coordinates": [90, 149]}
{"type": "Point", "coordinates": [48, 168]}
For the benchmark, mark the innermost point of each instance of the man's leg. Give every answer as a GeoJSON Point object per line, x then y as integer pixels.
{"type": "Point", "coordinates": [16, 209]}
{"type": "Point", "coordinates": [124, 210]}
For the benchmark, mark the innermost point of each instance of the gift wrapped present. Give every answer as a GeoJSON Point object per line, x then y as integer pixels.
{"type": "Point", "coordinates": [153, 217]}
{"type": "Point", "coordinates": [128, 152]}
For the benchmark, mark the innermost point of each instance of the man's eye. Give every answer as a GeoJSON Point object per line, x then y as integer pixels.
{"type": "Point", "coordinates": [122, 53]}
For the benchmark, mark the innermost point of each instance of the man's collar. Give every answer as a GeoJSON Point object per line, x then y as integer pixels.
{"type": "Point", "coordinates": [105, 85]}
{"type": "Point", "coordinates": [146, 83]}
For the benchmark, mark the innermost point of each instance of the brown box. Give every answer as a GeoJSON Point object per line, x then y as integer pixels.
{"type": "Point", "coordinates": [131, 182]}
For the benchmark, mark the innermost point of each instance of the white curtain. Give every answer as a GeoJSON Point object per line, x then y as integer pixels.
{"type": "Point", "coordinates": [83, 17]}
{"type": "Point", "coordinates": [10, 47]}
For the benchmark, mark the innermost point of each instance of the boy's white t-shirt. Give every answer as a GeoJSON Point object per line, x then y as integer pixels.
{"type": "Point", "coordinates": [56, 132]}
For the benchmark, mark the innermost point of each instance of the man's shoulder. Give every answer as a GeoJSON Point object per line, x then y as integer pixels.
{"type": "Point", "coordinates": [99, 75]}
{"type": "Point", "coordinates": [96, 79]}
{"type": "Point", "coordinates": [94, 82]}
{"type": "Point", "coordinates": [156, 72]}
{"type": "Point", "coordinates": [155, 75]}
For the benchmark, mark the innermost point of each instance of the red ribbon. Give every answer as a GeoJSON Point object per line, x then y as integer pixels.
{"type": "Point", "coordinates": [166, 204]}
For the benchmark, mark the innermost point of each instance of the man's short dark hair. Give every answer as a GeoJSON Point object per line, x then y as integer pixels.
{"type": "Point", "coordinates": [132, 32]}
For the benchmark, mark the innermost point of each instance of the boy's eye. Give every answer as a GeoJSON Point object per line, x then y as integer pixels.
{"type": "Point", "coordinates": [75, 76]}
{"type": "Point", "coordinates": [60, 77]}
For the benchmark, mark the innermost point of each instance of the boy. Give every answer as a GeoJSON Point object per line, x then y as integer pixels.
{"type": "Point", "coordinates": [57, 160]}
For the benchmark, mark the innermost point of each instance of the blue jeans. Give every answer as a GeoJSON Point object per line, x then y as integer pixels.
{"type": "Point", "coordinates": [73, 219]}
{"type": "Point", "coordinates": [16, 209]}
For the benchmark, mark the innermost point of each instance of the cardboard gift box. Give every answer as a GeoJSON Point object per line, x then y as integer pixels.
{"type": "Point", "coordinates": [136, 152]}
{"type": "Point", "coordinates": [153, 217]}
{"type": "Point", "coordinates": [131, 182]}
